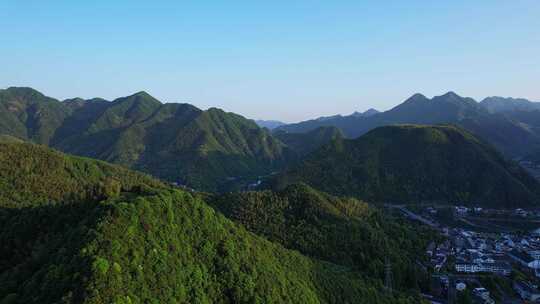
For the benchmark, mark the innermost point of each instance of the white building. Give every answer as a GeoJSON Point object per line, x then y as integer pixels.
{"type": "Point", "coordinates": [498, 268]}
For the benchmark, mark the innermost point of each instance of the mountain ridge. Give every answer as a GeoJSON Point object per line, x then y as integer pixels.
{"type": "Point", "coordinates": [176, 142]}
{"type": "Point", "coordinates": [507, 131]}
{"type": "Point", "coordinates": [496, 104]}
{"type": "Point", "coordinates": [414, 163]}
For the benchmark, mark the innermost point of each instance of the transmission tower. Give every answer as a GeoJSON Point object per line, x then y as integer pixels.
{"type": "Point", "coordinates": [388, 277]}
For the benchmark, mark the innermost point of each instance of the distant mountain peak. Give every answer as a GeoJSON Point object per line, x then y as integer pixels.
{"type": "Point", "coordinates": [21, 89]}
{"type": "Point", "coordinates": [418, 96]}
{"type": "Point", "coordinates": [367, 113]}
{"type": "Point", "coordinates": [76, 99]}
{"type": "Point", "coordinates": [371, 111]}
{"type": "Point", "coordinates": [415, 99]}
{"type": "Point", "coordinates": [505, 99]}
{"type": "Point", "coordinates": [142, 94]}
{"type": "Point", "coordinates": [324, 118]}
{"type": "Point", "coordinates": [451, 94]}
{"type": "Point", "coordinates": [139, 96]}
{"type": "Point", "coordinates": [215, 110]}
{"type": "Point", "coordinates": [24, 91]}
{"type": "Point", "coordinates": [496, 104]}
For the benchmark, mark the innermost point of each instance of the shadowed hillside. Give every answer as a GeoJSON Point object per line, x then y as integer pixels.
{"type": "Point", "coordinates": [411, 163]}
{"type": "Point", "coordinates": [304, 143]}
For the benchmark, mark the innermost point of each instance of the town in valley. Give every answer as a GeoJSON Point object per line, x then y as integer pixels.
{"type": "Point", "coordinates": [482, 256]}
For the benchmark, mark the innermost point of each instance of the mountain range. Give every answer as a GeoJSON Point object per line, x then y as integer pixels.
{"type": "Point", "coordinates": [507, 104]}
{"type": "Point", "coordinates": [511, 125]}
{"type": "Point", "coordinates": [216, 151]}
{"type": "Point", "coordinates": [206, 150]}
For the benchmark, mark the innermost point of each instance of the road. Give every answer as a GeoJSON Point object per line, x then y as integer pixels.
{"type": "Point", "coordinates": [412, 215]}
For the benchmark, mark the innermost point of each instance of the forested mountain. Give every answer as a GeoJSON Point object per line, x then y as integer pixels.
{"type": "Point", "coordinates": [411, 163]}
{"type": "Point", "coordinates": [304, 143]}
{"type": "Point", "coordinates": [208, 150]}
{"type": "Point", "coordinates": [509, 132]}
{"type": "Point", "coordinates": [76, 230]}
{"type": "Point", "coordinates": [344, 231]}
{"type": "Point", "coordinates": [34, 175]}
{"type": "Point", "coordinates": [496, 104]}
{"type": "Point", "coordinates": [28, 114]}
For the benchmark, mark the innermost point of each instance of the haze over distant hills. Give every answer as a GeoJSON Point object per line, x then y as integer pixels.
{"type": "Point", "coordinates": [269, 124]}
{"type": "Point", "coordinates": [511, 125]}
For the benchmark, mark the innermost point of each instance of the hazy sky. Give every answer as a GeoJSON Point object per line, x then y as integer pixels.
{"type": "Point", "coordinates": [287, 60]}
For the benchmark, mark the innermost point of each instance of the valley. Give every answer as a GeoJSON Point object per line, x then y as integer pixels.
{"type": "Point", "coordinates": [251, 214]}
{"type": "Point", "coordinates": [269, 152]}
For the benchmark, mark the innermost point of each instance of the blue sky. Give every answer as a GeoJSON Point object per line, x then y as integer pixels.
{"type": "Point", "coordinates": [287, 60]}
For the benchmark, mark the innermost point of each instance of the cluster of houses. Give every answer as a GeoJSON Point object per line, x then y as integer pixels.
{"type": "Point", "coordinates": [475, 253]}
{"type": "Point", "coordinates": [470, 256]}
{"type": "Point", "coordinates": [438, 254]}
{"type": "Point", "coordinates": [482, 253]}
{"type": "Point", "coordinates": [495, 253]}
{"type": "Point", "coordinates": [479, 294]}
{"type": "Point", "coordinates": [471, 211]}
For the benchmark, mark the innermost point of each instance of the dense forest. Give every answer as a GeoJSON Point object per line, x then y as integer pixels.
{"type": "Point", "coordinates": [413, 163]}
{"type": "Point", "coordinates": [344, 231]}
{"type": "Point", "coordinates": [305, 143]}
{"type": "Point", "coordinates": [208, 150]}
{"type": "Point", "coordinates": [82, 231]}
